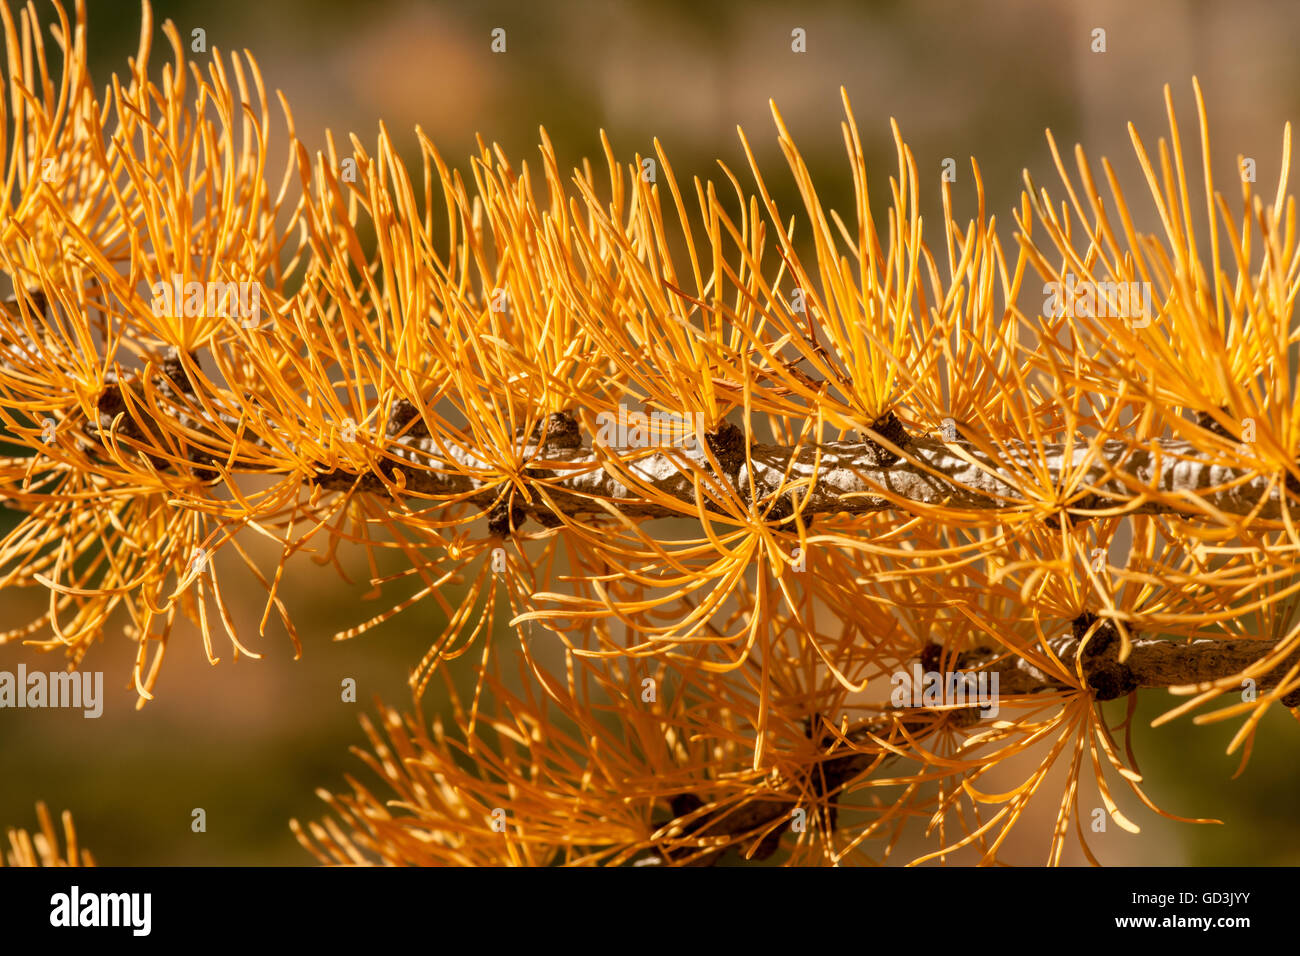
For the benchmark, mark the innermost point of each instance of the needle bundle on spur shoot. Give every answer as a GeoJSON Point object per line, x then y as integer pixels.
{"type": "Point", "coordinates": [735, 480]}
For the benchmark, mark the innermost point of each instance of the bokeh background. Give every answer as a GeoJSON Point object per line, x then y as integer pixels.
{"type": "Point", "coordinates": [250, 741]}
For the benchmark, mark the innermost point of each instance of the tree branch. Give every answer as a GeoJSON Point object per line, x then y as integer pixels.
{"type": "Point", "coordinates": [854, 477]}
{"type": "Point", "coordinates": [1151, 663]}
{"type": "Point", "coordinates": [1166, 477]}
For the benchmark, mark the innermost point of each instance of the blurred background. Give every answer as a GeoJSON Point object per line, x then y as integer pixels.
{"type": "Point", "coordinates": [250, 741]}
